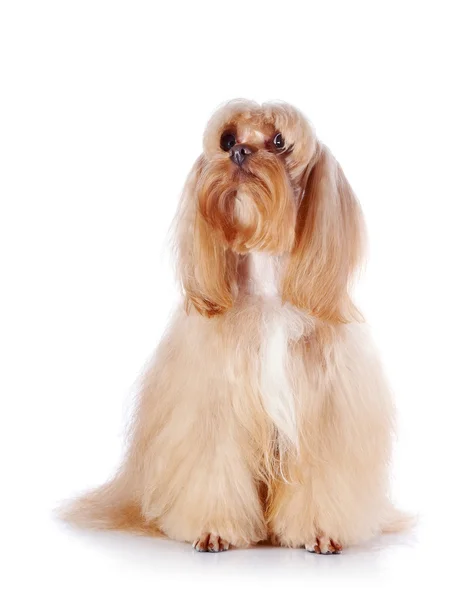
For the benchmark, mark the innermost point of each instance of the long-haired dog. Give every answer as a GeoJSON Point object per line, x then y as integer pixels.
{"type": "Point", "coordinates": [265, 414]}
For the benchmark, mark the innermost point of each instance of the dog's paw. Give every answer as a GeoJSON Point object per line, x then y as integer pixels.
{"type": "Point", "coordinates": [209, 542]}
{"type": "Point", "coordinates": [324, 545]}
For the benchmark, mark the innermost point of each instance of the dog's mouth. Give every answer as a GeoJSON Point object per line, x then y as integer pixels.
{"type": "Point", "coordinates": [238, 174]}
{"type": "Point", "coordinates": [249, 207]}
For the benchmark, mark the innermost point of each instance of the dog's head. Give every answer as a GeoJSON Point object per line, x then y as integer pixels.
{"type": "Point", "coordinates": [264, 183]}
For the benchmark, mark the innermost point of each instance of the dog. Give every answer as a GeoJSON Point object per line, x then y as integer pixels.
{"type": "Point", "coordinates": [264, 414]}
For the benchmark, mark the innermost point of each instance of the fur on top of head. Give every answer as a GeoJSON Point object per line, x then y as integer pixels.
{"type": "Point", "coordinates": [265, 183]}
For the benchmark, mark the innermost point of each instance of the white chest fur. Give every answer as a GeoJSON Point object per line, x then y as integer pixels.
{"type": "Point", "coordinates": [277, 325]}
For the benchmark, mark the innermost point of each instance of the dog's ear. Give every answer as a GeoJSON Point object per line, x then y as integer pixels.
{"type": "Point", "coordinates": [207, 269]}
{"type": "Point", "coordinates": [328, 242]}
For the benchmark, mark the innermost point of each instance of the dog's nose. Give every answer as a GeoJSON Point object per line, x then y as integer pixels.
{"type": "Point", "coordinates": [239, 153]}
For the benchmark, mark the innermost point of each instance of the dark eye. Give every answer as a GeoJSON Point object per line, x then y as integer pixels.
{"type": "Point", "coordinates": [278, 141]}
{"type": "Point", "coordinates": [227, 141]}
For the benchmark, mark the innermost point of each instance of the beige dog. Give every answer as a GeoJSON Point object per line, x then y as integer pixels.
{"type": "Point", "coordinates": [265, 413]}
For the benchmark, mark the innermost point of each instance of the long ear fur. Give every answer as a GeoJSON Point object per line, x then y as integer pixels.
{"type": "Point", "coordinates": [328, 243]}
{"type": "Point", "coordinates": [207, 269]}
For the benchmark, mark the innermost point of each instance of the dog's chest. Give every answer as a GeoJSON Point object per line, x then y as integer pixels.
{"type": "Point", "coordinates": [276, 329]}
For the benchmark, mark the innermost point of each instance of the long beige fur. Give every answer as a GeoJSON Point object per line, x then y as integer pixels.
{"type": "Point", "coordinates": [265, 413]}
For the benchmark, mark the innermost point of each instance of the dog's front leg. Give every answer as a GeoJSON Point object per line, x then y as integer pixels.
{"type": "Point", "coordinates": [213, 499]}
{"type": "Point", "coordinates": [199, 474]}
{"type": "Point", "coordinates": [335, 490]}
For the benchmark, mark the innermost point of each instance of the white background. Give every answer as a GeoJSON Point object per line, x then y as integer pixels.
{"type": "Point", "coordinates": [103, 106]}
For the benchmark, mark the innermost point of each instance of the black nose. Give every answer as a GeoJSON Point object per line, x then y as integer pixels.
{"type": "Point", "coordinates": [239, 153]}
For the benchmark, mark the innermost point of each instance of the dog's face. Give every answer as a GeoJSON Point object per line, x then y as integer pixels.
{"type": "Point", "coordinates": [264, 183]}
{"type": "Point", "coordinates": [250, 180]}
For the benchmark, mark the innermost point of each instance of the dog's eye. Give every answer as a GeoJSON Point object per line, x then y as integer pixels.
{"type": "Point", "coordinates": [278, 141]}
{"type": "Point", "coordinates": [227, 141]}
